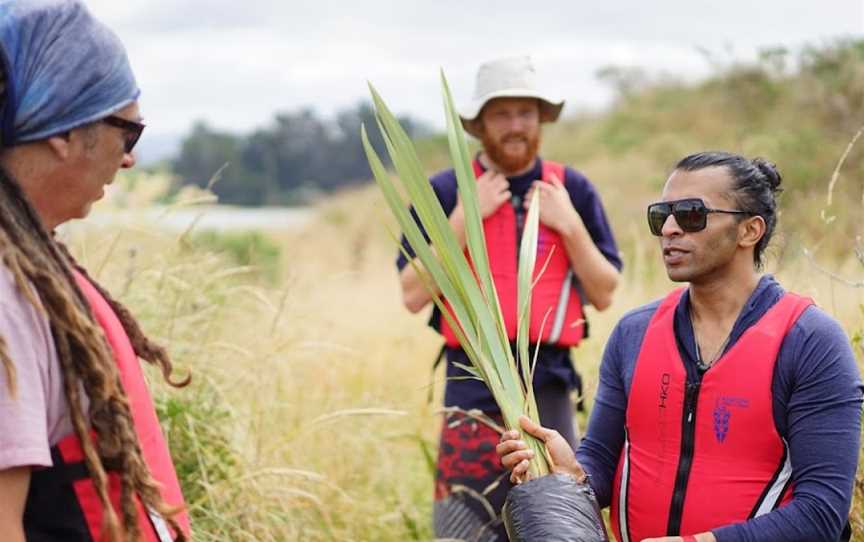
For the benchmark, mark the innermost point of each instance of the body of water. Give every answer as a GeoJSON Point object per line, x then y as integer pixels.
{"type": "Point", "coordinates": [204, 218]}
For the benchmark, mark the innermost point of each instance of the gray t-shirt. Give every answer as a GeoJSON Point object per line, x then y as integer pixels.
{"type": "Point", "coordinates": [38, 416]}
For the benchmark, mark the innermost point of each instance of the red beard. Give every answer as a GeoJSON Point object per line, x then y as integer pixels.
{"type": "Point", "coordinates": [511, 163]}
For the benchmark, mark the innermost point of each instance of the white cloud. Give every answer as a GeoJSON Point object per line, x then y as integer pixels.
{"type": "Point", "coordinates": [235, 64]}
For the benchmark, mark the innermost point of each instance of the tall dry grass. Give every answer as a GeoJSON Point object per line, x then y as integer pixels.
{"type": "Point", "coordinates": [308, 416]}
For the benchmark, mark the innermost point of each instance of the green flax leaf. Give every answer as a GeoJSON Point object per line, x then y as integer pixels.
{"type": "Point", "coordinates": [471, 309]}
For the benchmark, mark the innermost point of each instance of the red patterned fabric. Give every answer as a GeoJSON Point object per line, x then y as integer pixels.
{"type": "Point", "coordinates": [467, 456]}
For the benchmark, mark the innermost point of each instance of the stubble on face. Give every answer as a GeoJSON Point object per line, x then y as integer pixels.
{"type": "Point", "coordinates": [710, 253]}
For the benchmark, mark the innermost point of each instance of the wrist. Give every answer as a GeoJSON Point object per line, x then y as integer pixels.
{"type": "Point", "coordinates": [571, 226]}
{"type": "Point", "coordinates": [581, 476]}
{"type": "Point", "coordinates": [575, 471]}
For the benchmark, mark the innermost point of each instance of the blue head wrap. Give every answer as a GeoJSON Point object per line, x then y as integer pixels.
{"type": "Point", "coordinates": [63, 69]}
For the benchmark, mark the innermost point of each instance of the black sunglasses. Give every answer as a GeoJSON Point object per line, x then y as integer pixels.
{"type": "Point", "coordinates": [691, 214]}
{"type": "Point", "coordinates": [132, 130]}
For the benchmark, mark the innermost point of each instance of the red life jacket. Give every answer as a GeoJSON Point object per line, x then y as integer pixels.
{"type": "Point", "coordinates": [62, 503]}
{"type": "Point", "coordinates": [554, 295]}
{"type": "Point", "coordinates": [700, 455]}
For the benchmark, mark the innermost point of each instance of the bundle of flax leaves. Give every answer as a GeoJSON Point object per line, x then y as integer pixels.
{"type": "Point", "coordinates": [476, 314]}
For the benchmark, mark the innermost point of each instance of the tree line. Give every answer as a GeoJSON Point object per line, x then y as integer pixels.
{"type": "Point", "coordinates": [298, 155]}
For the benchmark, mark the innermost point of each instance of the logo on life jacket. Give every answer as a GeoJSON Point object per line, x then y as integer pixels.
{"type": "Point", "coordinates": [665, 379]}
{"type": "Point", "coordinates": [723, 414]}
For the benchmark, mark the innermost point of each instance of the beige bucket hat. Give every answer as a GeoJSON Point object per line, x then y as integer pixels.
{"type": "Point", "coordinates": [511, 77]}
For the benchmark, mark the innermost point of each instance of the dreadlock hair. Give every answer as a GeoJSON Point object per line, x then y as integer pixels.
{"type": "Point", "coordinates": [42, 270]}
{"type": "Point", "coordinates": [755, 186]}
{"type": "Point", "coordinates": [8, 368]}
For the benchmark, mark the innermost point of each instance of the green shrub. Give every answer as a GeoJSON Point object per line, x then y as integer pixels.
{"type": "Point", "coordinates": [250, 248]}
{"type": "Point", "coordinates": [196, 425]}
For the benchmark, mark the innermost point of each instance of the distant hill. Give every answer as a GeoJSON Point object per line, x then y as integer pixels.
{"type": "Point", "coordinates": [799, 110]}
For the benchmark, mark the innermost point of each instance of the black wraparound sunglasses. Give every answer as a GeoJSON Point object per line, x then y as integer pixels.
{"type": "Point", "coordinates": [131, 129]}
{"type": "Point", "coordinates": [691, 214]}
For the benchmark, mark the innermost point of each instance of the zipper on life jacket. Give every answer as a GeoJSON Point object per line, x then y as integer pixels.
{"type": "Point", "coordinates": [685, 461]}
{"type": "Point", "coordinates": [519, 210]}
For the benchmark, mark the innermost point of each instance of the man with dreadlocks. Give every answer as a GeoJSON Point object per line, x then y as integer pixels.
{"type": "Point", "coordinates": [82, 457]}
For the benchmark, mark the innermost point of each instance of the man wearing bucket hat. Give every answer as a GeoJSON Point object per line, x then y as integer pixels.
{"type": "Point", "coordinates": [82, 456]}
{"type": "Point", "coordinates": [730, 410]}
{"type": "Point", "coordinates": [506, 114]}
{"type": "Point", "coordinates": [507, 78]}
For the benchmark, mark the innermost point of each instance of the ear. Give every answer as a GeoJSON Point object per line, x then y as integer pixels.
{"type": "Point", "coordinates": [478, 123]}
{"type": "Point", "coordinates": [61, 145]}
{"type": "Point", "coordinates": [751, 230]}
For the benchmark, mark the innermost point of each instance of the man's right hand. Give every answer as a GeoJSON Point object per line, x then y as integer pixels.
{"type": "Point", "coordinates": [515, 455]}
{"type": "Point", "coordinates": [493, 189]}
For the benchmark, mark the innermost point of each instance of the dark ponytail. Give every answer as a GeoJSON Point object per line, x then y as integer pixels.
{"type": "Point", "coordinates": [755, 186]}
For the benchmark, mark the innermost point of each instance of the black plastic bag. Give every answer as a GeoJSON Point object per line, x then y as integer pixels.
{"type": "Point", "coordinates": [553, 508]}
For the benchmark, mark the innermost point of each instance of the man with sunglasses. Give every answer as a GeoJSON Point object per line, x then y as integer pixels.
{"type": "Point", "coordinates": [82, 455]}
{"type": "Point", "coordinates": [731, 409]}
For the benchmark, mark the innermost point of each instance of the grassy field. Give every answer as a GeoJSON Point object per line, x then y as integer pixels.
{"type": "Point", "coordinates": [308, 418]}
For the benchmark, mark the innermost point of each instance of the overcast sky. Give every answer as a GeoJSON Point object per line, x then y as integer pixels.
{"type": "Point", "coordinates": [234, 64]}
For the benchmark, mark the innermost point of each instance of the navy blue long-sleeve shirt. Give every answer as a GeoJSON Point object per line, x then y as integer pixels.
{"type": "Point", "coordinates": [817, 397]}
